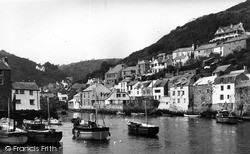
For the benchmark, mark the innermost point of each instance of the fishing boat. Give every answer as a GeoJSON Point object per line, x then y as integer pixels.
{"type": "Point", "coordinates": [120, 113]}
{"type": "Point", "coordinates": [144, 129]}
{"type": "Point", "coordinates": [39, 133]}
{"type": "Point", "coordinates": [10, 135]}
{"type": "Point", "coordinates": [224, 116]}
{"type": "Point", "coordinates": [53, 121]}
{"type": "Point", "coordinates": [90, 130]}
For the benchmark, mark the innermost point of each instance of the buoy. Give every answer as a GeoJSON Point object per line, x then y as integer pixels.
{"type": "Point", "coordinates": [114, 142]}
{"type": "Point", "coordinates": [120, 141]}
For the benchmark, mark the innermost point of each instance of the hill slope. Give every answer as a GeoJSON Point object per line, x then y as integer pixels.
{"type": "Point", "coordinates": [81, 69]}
{"type": "Point", "coordinates": [23, 69]}
{"type": "Point", "coordinates": [196, 32]}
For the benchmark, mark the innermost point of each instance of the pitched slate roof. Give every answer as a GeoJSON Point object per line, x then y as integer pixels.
{"type": "Point", "coordinates": [25, 85]}
{"type": "Point", "coordinates": [183, 49]}
{"type": "Point", "coordinates": [77, 86]}
{"type": "Point", "coordinates": [180, 57]}
{"type": "Point", "coordinates": [230, 28]}
{"type": "Point", "coordinates": [244, 83]}
{"type": "Point", "coordinates": [4, 65]}
{"type": "Point", "coordinates": [116, 69]}
{"type": "Point", "coordinates": [205, 80]}
{"type": "Point", "coordinates": [130, 68]}
{"type": "Point", "coordinates": [160, 83]}
{"type": "Point", "coordinates": [206, 46]}
{"type": "Point", "coordinates": [131, 83]}
{"type": "Point", "coordinates": [183, 80]}
{"type": "Point", "coordinates": [222, 68]}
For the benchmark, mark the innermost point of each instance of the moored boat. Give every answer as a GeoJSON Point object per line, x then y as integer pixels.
{"type": "Point", "coordinates": [137, 128]}
{"type": "Point", "coordinates": [227, 117]}
{"type": "Point", "coordinates": [192, 115]}
{"type": "Point", "coordinates": [8, 136]}
{"type": "Point", "coordinates": [90, 131]}
{"type": "Point", "coordinates": [144, 129]}
{"type": "Point", "coordinates": [38, 133]}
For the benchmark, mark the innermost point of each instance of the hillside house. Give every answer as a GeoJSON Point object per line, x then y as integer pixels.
{"type": "Point", "coordinates": [122, 85]}
{"type": "Point", "coordinates": [157, 63]}
{"type": "Point", "coordinates": [131, 88]}
{"type": "Point", "coordinates": [181, 55]}
{"type": "Point", "coordinates": [75, 103]}
{"type": "Point", "coordinates": [129, 71]}
{"type": "Point", "coordinates": [181, 92]}
{"type": "Point", "coordinates": [204, 50]}
{"type": "Point", "coordinates": [224, 90]}
{"type": "Point", "coordinates": [94, 93]}
{"type": "Point", "coordinates": [221, 70]}
{"type": "Point", "coordinates": [144, 89]}
{"type": "Point", "coordinates": [228, 32]}
{"type": "Point", "coordinates": [62, 95]}
{"type": "Point", "coordinates": [236, 44]}
{"type": "Point", "coordinates": [203, 90]}
{"type": "Point", "coordinates": [117, 100]}
{"type": "Point", "coordinates": [113, 76]}
{"type": "Point", "coordinates": [160, 88]}
{"type": "Point", "coordinates": [5, 84]}
{"type": "Point", "coordinates": [27, 95]}
{"type": "Point", "coordinates": [143, 67]}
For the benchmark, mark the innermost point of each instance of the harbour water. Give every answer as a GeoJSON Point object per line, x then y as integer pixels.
{"type": "Point", "coordinates": [177, 135]}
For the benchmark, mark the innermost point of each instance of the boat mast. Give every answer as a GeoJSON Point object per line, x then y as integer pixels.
{"type": "Point", "coordinates": [8, 119]}
{"type": "Point", "coordinates": [48, 113]}
{"type": "Point", "coordinates": [14, 112]}
{"type": "Point", "coordinates": [146, 116]}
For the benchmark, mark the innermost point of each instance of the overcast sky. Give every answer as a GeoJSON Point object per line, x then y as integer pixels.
{"type": "Point", "coordinates": [66, 31]}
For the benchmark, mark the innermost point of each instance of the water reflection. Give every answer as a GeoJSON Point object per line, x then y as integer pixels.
{"type": "Point", "coordinates": [176, 135]}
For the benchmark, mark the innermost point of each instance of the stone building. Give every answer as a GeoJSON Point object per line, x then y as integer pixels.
{"type": "Point", "coordinates": [5, 84]}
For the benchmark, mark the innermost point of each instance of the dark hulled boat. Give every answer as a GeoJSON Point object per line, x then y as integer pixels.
{"type": "Point", "coordinates": [137, 128]}
{"type": "Point", "coordinates": [225, 116]}
{"type": "Point", "coordinates": [37, 133]}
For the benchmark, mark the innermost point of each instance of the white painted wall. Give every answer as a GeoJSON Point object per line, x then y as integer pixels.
{"type": "Point", "coordinates": [229, 94]}
{"type": "Point", "coordinates": [25, 100]}
{"type": "Point", "coordinates": [183, 99]}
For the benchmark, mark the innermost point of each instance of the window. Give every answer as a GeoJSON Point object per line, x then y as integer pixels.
{"type": "Point", "coordinates": [221, 88]}
{"type": "Point", "coordinates": [228, 96]}
{"type": "Point", "coordinates": [178, 100]}
{"type": "Point", "coordinates": [173, 93]}
{"type": "Point", "coordinates": [18, 101]}
{"type": "Point", "coordinates": [157, 91]}
{"type": "Point", "coordinates": [32, 102]}
{"type": "Point", "coordinates": [208, 90]}
{"type": "Point", "coordinates": [16, 91]}
{"type": "Point", "coordinates": [118, 95]}
{"type": "Point", "coordinates": [123, 95]}
{"type": "Point", "coordinates": [31, 92]}
{"type": "Point", "coordinates": [1, 73]}
{"type": "Point", "coordinates": [183, 92]}
{"type": "Point", "coordinates": [1, 81]}
{"type": "Point", "coordinates": [221, 97]}
{"type": "Point", "coordinates": [21, 91]}
{"type": "Point", "coordinates": [173, 101]}
{"type": "Point", "coordinates": [228, 87]}
{"type": "Point", "coordinates": [184, 100]}
{"type": "Point", "coordinates": [179, 93]}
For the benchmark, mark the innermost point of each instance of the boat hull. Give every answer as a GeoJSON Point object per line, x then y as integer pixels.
{"type": "Point", "coordinates": [13, 138]}
{"type": "Point", "coordinates": [143, 130]}
{"type": "Point", "coordinates": [227, 120]}
{"type": "Point", "coordinates": [47, 137]}
{"type": "Point", "coordinates": [101, 133]}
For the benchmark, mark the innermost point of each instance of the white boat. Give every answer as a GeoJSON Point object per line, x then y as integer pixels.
{"type": "Point", "coordinates": [192, 115]}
